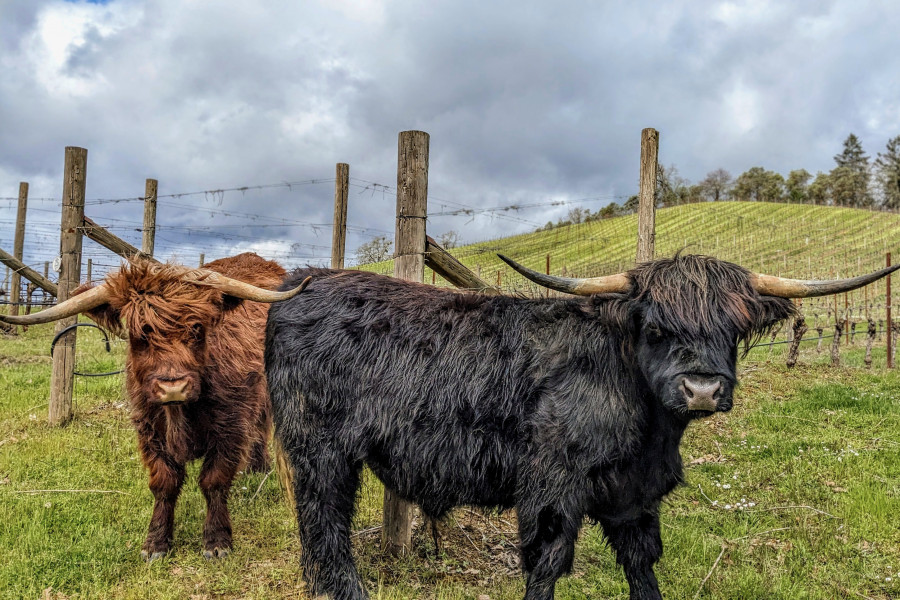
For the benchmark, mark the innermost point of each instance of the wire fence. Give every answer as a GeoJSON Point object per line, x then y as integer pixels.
{"type": "Point", "coordinates": [784, 239]}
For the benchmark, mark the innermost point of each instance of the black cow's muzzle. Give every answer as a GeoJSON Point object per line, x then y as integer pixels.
{"type": "Point", "coordinates": [705, 393]}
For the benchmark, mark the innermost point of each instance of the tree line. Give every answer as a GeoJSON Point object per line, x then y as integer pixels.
{"type": "Point", "coordinates": [855, 181]}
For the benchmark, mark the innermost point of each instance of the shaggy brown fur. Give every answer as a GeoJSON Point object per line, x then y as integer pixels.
{"type": "Point", "coordinates": [213, 344]}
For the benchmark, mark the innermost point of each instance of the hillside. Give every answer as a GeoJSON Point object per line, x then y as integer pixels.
{"type": "Point", "coordinates": [791, 240]}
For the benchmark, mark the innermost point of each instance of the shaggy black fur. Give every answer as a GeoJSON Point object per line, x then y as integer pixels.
{"type": "Point", "coordinates": [561, 408]}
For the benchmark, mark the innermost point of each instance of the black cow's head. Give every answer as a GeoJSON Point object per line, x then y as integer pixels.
{"type": "Point", "coordinates": [690, 315]}
{"type": "Point", "coordinates": [684, 319]}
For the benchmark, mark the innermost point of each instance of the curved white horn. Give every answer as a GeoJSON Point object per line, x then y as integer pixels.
{"type": "Point", "coordinates": [768, 285]}
{"type": "Point", "coordinates": [242, 289]}
{"type": "Point", "coordinates": [83, 302]}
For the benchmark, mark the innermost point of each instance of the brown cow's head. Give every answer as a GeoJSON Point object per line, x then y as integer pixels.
{"type": "Point", "coordinates": [166, 321]}
{"type": "Point", "coordinates": [167, 312]}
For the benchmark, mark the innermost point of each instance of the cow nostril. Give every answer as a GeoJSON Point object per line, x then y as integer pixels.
{"type": "Point", "coordinates": [697, 388]}
{"type": "Point", "coordinates": [172, 390]}
{"type": "Point", "coordinates": [701, 395]}
{"type": "Point", "coordinates": [173, 387]}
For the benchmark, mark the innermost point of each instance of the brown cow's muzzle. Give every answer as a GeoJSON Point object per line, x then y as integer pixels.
{"type": "Point", "coordinates": [173, 391]}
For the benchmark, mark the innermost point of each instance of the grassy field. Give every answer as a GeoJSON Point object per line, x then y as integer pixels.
{"type": "Point", "coordinates": [794, 494]}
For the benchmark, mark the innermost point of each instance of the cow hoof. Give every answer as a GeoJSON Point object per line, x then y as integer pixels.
{"type": "Point", "coordinates": [216, 553]}
{"type": "Point", "coordinates": [150, 557]}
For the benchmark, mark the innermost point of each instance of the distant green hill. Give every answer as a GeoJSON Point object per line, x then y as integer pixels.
{"type": "Point", "coordinates": [791, 240]}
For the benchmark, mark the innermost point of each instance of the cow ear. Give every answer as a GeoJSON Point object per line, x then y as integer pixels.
{"type": "Point", "coordinates": [616, 311]}
{"type": "Point", "coordinates": [230, 303]}
{"type": "Point", "coordinates": [105, 315]}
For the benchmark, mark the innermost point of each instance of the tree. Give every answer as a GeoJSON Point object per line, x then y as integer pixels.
{"type": "Point", "coordinates": [853, 179]}
{"type": "Point", "coordinates": [377, 250]}
{"type": "Point", "coordinates": [716, 185]}
{"type": "Point", "coordinates": [845, 186]}
{"type": "Point", "coordinates": [819, 191]}
{"type": "Point", "coordinates": [449, 239]}
{"type": "Point", "coordinates": [578, 215]}
{"type": "Point", "coordinates": [671, 188]}
{"type": "Point", "coordinates": [758, 185]}
{"type": "Point", "coordinates": [887, 174]}
{"type": "Point", "coordinates": [796, 186]}
{"type": "Point", "coordinates": [609, 211]}
{"type": "Point", "coordinates": [631, 205]}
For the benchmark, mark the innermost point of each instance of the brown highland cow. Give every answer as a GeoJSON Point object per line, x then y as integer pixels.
{"type": "Point", "coordinates": [194, 375]}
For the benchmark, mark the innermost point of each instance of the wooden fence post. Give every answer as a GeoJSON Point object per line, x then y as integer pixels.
{"type": "Point", "coordinates": [62, 379]}
{"type": "Point", "coordinates": [444, 264]}
{"type": "Point", "coordinates": [890, 322]}
{"type": "Point", "coordinates": [148, 237]}
{"type": "Point", "coordinates": [15, 295]}
{"type": "Point", "coordinates": [109, 241]}
{"type": "Point", "coordinates": [339, 229]}
{"type": "Point", "coordinates": [88, 278]}
{"type": "Point", "coordinates": [46, 275]}
{"type": "Point", "coordinates": [202, 259]}
{"type": "Point", "coordinates": [647, 199]}
{"type": "Point", "coordinates": [409, 264]}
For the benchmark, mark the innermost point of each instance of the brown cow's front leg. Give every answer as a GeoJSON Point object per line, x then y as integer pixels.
{"type": "Point", "coordinates": [216, 477]}
{"type": "Point", "coordinates": [166, 478]}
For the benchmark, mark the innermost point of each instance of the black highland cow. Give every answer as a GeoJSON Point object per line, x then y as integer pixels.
{"type": "Point", "coordinates": [561, 408]}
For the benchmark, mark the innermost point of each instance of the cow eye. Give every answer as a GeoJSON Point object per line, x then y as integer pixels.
{"type": "Point", "coordinates": [654, 334]}
{"type": "Point", "coordinates": [140, 342]}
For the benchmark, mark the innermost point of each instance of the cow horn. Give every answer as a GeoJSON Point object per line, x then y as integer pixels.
{"type": "Point", "coordinates": [83, 302]}
{"type": "Point", "coordinates": [582, 287]}
{"type": "Point", "coordinates": [767, 285]}
{"type": "Point", "coordinates": [242, 289]}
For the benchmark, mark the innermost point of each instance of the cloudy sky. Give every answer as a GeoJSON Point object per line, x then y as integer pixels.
{"type": "Point", "coordinates": [536, 104]}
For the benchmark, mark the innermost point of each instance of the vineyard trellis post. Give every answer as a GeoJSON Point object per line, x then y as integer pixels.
{"type": "Point", "coordinates": [409, 264]}
{"type": "Point", "coordinates": [18, 249]}
{"type": "Point", "coordinates": [62, 377]}
{"type": "Point", "coordinates": [148, 232]}
{"type": "Point", "coordinates": [890, 322]}
{"type": "Point", "coordinates": [46, 275]}
{"type": "Point", "coordinates": [647, 198]}
{"type": "Point", "coordinates": [339, 229]}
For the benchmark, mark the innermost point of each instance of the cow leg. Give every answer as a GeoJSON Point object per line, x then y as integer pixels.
{"type": "Point", "coordinates": [638, 547]}
{"type": "Point", "coordinates": [166, 479]}
{"type": "Point", "coordinates": [548, 547]}
{"type": "Point", "coordinates": [216, 476]}
{"type": "Point", "coordinates": [325, 487]}
{"type": "Point", "coordinates": [259, 449]}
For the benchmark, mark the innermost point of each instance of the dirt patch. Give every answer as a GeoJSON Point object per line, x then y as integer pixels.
{"type": "Point", "coordinates": [470, 547]}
